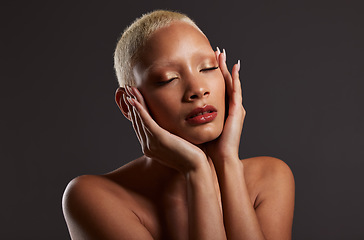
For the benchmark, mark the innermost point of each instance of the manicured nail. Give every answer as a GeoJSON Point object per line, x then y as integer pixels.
{"type": "Point", "coordinates": [121, 100]}
{"type": "Point", "coordinates": [131, 90]}
{"type": "Point", "coordinates": [238, 65]}
{"type": "Point", "coordinates": [218, 50]}
{"type": "Point", "coordinates": [224, 52]}
{"type": "Point", "coordinates": [131, 101]}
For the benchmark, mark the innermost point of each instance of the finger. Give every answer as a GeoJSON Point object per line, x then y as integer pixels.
{"type": "Point", "coordinates": [139, 97]}
{"type": "Point", "coordinates": [147, 120]}
{"type": "Point", "coordinates": [236, 81]}
{"type": "Point", "coordinates": [129, 104]}
{"type": "Point", "coordinates": [129, 92]}
{"type": "Point", "coordinates": [217, 53]}
{"type": "Point", "coordinates": [141, 128]}
{"type": "Point", "coordinates": [237, 98]}
{"type": "Point", "coordinates": [226, 73]}
{"type": "Point", "coordinates": [145, 134]}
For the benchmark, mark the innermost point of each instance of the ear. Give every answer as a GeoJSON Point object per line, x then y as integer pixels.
{"type": "Point", "coordinates": [119, 99]}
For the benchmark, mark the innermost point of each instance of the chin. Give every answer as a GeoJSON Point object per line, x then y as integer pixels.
{"type": "Point", "coordinates": [201, 137]}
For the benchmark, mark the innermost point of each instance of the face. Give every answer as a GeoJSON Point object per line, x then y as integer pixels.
{"type": "Point", "coordinates": [181, 83]}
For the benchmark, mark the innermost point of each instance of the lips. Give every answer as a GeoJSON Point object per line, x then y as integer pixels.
{"type": "Point", "coordinates": [202, 115]}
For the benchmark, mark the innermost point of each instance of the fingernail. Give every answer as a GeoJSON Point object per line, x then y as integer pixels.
{"type": "Point", "coordinates": [218, 50]}
{"type": "Point", "coordinates": [131, 90]}
{"type": "Point", "coordinates": [131, 101]}
{"type": "Point", "coordinates": [224, 52]}
{"type": "Point", "coordinates": [124, 98]}
{"type": "Point", "coordinates": [238, 65]}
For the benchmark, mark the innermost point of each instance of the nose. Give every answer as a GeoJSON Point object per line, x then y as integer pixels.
{"type": "Point", "coordinates": [200, 93]}
{"type": "Point", "coordinates": [196, 88]}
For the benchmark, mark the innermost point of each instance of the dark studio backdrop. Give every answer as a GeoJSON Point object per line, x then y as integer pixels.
{"type": "Point", "coordinates": [302, 77]}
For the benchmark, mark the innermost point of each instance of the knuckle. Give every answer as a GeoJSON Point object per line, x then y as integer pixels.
{"type": "Point", "coordinates": [146, 151]}
{"type": "Point", "coordinates": [152, 148]}
{"type": "Point", "coordinates": [153, 145]}
{"type": "Point", "coordinates": [243, 110]}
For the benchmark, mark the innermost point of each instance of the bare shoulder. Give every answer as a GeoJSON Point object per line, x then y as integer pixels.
{"type": "Point", "coordinates": [95, 207]}
{"type": "Point", "coordinates": [267, 170]}
{"type": "Point", "coordinates": [84, 184]}
{"type": "Point", "coordinates": [273, 183]}
{"type": "Point", "coordinates": [82, 187]}
{"type": "Point", "coordinates": [268, 175]}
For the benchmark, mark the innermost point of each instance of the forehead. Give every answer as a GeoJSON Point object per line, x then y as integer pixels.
{"type": "Point", "coordinates": [177, 40]}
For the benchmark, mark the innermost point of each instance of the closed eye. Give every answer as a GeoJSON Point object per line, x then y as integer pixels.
{"type": "Point", "coordinates": [208, 69]}
{"type": "Point", "coordinates": [165, 82]}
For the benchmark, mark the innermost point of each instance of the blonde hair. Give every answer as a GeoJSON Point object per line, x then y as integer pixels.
{"type": "Point", "coordinates": [134, 38]}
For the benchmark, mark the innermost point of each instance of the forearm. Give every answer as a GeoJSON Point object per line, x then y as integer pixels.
{"type": "Point", "coordinates": [240, 218]}
{"type": "Point", "coordinates": [205, 217]}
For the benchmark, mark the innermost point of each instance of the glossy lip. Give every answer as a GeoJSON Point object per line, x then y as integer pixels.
{"type": "Point", "coordinates": [202, 115]}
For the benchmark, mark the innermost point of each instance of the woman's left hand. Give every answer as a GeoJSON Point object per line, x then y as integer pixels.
{"type": "Point", "coordinates": [226, 146]}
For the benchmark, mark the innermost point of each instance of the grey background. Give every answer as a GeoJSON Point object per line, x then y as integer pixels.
{"type": "Point", "coordinates": [302, 76]}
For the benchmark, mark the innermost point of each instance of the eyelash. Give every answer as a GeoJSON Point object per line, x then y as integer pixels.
{"type": "Point", "coordinates": [170, 80]}
{"type": "Point", "coordinates": [209, 69]}
{"type": "Point", "coordinates": [165, 82]}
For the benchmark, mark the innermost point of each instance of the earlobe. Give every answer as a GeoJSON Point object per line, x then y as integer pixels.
{"type": "Point", "coordinates": [119, 99]}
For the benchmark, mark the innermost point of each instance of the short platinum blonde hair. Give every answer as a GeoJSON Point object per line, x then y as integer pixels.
{"type": "Point", "coordinates": [135, 37]}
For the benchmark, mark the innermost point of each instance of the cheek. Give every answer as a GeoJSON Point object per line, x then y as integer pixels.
{"type": "Point", "coordinates": [163, 107]}
{"type": "Point", "coordinates": [221, 98]}
{"type": "Point", "coordinates": [218, 88]}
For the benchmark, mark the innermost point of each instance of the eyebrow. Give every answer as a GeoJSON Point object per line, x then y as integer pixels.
{"type": "Point", "coordinates": [171, 63]}
{"type": "Point", "coordinates": [157, 65]}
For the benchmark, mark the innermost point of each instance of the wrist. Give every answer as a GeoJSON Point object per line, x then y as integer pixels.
{"type": "Point", "coordinates": [201, 167]}
{"type": "Point", "coordinates": [199, 164]}
{"type": "Point", "coordinates": [227, 159]}
{"type": "Point", "coordinates": [229, 164]}
{"type": "Point", "coordinates": [200, 177]}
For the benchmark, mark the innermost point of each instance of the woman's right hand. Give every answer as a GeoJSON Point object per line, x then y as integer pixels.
{"type": "Point", "coordinates": [156, 142]}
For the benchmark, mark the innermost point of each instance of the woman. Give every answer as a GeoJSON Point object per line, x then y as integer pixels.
{"type": "Point", "coordinates": [190, 182]}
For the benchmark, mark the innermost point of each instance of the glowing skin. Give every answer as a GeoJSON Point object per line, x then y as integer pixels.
{"type": "Point", "coordinates": [177, 73]}
{"type": "Point", "coordinates": [213, 194]}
